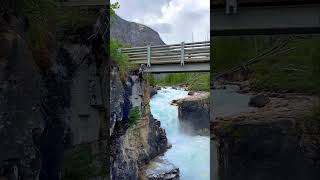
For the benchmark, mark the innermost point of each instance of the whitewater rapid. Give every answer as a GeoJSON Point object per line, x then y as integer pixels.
{"type": "Point", "coordinates": [191, 154]}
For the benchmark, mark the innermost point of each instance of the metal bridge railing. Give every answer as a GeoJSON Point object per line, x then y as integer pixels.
{"type": "Point", "coordinates": [196, 52]}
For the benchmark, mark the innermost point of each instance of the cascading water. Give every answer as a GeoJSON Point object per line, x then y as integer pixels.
{"type": "Point", "coordinates": [191, 154]}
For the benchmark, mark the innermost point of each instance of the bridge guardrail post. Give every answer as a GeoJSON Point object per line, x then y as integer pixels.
{"type": "Point", "coordinates": [182, 54]}
{"type": "Point", "coordinates": [149, 56]}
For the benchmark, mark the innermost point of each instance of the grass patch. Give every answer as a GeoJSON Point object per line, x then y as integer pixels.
{"type": "Point", "coordinates": [79, 163]}
{"type": "Point", "coordinates": [194, 81]}
{"type": "Point", "coordinates": [134, 116]}
{"type": "Point", "coordinates": [296, 71]}
{"type": "Point", "coordinates": [121, 59]}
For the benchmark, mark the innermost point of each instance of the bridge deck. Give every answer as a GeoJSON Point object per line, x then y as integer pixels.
{"type": "Point", "coordinates": [173, 68]}
{"type": "Point", "coordinates": [266, 17]}
{"type": "Point", "coordinates": [169, 58]}
{"type": "Point", "coordinates": [74, 3]}
{"type": "Point", "coordinates": [254, 3]}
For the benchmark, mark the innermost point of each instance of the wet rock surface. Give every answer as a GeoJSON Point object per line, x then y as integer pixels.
{"type": "Point", "coordinates": [259, 101]}
{"type": "Point", "coordinates": [160, 169]}
{"type": "Point", "coordinates": [133, 146]}
{"type": "Point", "coordinates": [193, 112]}
{"type": "Point", "coordinates": [153, 91]}
{"type": "Point", "coordinates": [277, 141]}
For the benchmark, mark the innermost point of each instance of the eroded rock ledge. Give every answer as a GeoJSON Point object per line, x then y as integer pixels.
{"type": "Point", "coordinates": [279, 141]}
{"type": "Point", "coordinates": [160, 169]}
{"type": "Point", "coordinates": [193, 112]}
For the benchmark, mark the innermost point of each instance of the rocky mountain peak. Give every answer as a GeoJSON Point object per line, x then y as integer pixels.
{"type": "Point", "coordinates": [133, 34]}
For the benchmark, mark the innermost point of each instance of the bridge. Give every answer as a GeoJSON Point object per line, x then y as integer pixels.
{"type": "Point", "coordinates": [183, 57]}
{"type": "Point", "coordinates": [81, 3]}
{"type": "Point", "coordinates": [260, 17]}
{"type": "Point", "coordinates": [254, 17]}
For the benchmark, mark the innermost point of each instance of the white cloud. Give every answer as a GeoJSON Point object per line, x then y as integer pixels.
{"type": "Point", "coordinates": [175, 20]}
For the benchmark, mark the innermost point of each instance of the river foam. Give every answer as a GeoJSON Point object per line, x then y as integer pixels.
{"type": "Point", "coordinates": [191, 154]}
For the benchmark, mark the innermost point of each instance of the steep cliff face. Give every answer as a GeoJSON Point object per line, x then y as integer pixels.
{"type": "Point", "coordinates": [48, 115]}
{"type": "Point", "coordinates": [277, 142]}
{"type": "Point", "coordinates": [74, 106]}
{"type": "Point", "coordinates": [21, 123]}
{"type": "Point", "coordinates": [133, 34]}
{"type": "Point", "coordinates": [132, 145]}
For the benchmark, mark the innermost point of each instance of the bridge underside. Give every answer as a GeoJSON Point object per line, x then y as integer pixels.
{"type": "Point", "coordinates": [175, 68]}
{"type": "Point", "coordinates": [290, 19]}
{"type": "Point", "coordinates": [79, 3]}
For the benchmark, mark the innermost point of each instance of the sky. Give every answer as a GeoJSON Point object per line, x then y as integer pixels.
{"type": "Point", "coordinates": [175, 20]}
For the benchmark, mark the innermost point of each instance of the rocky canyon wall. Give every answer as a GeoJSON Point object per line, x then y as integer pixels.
{"type": "Point", "coordinates": [49, 114]}
{"type": "Point", "coordinates": [54, 110]}
{"type": "Point", "coordinates": [132, 145]}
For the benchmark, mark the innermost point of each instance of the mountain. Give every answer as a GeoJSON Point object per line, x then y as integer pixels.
{"type": "Point", "coordinates": [133, 34]}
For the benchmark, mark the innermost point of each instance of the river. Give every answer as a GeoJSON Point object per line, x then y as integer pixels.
{"type": "Point", "coordinates": [228, 102]}
{"type": "Point", "coordinates": [191, 154]}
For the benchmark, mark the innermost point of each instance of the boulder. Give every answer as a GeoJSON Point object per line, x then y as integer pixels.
{"type": "Point", "coordinates": [153, 91]}
{"type": "Point", "coordinates": [161, 169]}
{"type": "Point", "coordinates": [193, 113]}
{"type": "Point", "coordinates": [175, 101]}
{"type": "Point", "coordinates": [259, 101]}
{"type": "Point", "coordinates": [191, 93]}
{"type": "Point", "coordinates": [243, 90]}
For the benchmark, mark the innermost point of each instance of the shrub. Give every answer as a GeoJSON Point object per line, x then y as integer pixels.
{"type": "Point", "coordinates": [134, 116]}
{"type": "Point", "coordinates": [121, 59]}
{"type": "Point", "coordinates": [79, 163]}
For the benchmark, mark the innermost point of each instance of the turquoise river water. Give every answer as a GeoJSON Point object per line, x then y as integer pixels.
{"type": "Point", "coordinates": [191, 154]}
